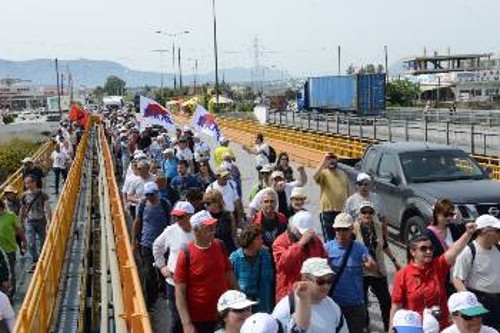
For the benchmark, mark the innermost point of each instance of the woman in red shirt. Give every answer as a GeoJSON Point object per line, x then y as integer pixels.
{"type": "Point", "coordinates": [421, 283]}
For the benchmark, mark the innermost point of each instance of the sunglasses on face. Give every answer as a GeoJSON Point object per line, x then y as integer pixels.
{"type": "Point", "coordinates": [367, 212]}
{"type": "Point", "coordinates": [342, 229]}
{"type": "Point", "coordinates": [425, 248]}
{"type": "Point", "coordinates": [465, 317]}
{"type": "Point", "coordinates": [322, 282]}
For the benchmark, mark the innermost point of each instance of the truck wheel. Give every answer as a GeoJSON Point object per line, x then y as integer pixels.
{"type": "Point", "coordinates": [414, 226]}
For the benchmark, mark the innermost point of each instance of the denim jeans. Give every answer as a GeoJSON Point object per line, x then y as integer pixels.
{"type": "Point", "coordinates": [57, 173]}
{"type": "Point", "coordinates": [149, 277]}
{"type": "Point", "coordinates": [34, 228]}
{"type": "Point", "coordinates": [175, 319]}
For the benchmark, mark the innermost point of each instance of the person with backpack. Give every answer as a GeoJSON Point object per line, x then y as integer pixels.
{"type": "Point", "coordinates": [227, 187]}
{"type": "Point", "coordinates": [264, 154]}
{"type": "Point", "coordinates": [153, 216]}
{"type": "Point", "coordinates": [202, 274]}
{"type": "Point", "coordinates": [477, 268]}
{"type": "Point", "coordinates": [308, 308]}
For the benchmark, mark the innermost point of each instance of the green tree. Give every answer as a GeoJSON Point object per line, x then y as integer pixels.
{"type": "Point", "coordinates": [350, 70]}
{"type": "Point", "coordinates": [370, 69]}
{"type": "Point", "coordinates": [402, 92]}
{"type": "Point", "coordinates": [380, 69]}
{"type": "Point", "coordinates": [114, 85]}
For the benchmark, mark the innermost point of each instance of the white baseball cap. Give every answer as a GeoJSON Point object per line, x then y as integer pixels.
{"type": "Point", "coordinates": [260, 323]}
{"type": "Point", "coordinates": [277, 174]}
{"type": "Point", "coordinates": [223, 140]}
{"type": "Point", "coordinates": [27, 160]}
{"type": "Point", "coordinates": [366, 204]}
{"type": "Point", "coordinates": [466, 303]}
{"type": "Point", "coordinates": [182, 208]}
{"type": "Point", "coordinates": [487, 221]}
{"type": "Point", "coordinates": [187, 128]}
{"type": "Point", "coordinates": [316, 267]}
{"type": "Point", "coordinates": [202, 218]}
{"type": "Point", "coordinates": [343, 220]}
{"type": "Point", "coordinates": [363, 177]}
{"type": "Point", "coordinates": [429, 323]}
{"type": "Point", "coordinates": [150, 188]}
{"type": "Point", "coordinates": [303, 221]}
{"type": "Point", "coordinates": [406, 321]}
{"type": "Point", "coordinates": [233, 299]}
{"type": "Point", "coordinates": [298, 192]}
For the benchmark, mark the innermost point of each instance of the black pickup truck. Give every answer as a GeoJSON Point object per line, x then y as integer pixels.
{"type": "Point", "coordinates": [412, 176]}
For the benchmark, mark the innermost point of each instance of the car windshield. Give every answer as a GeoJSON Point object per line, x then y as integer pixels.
{"type": "Point", "coordinates": [439, 165]}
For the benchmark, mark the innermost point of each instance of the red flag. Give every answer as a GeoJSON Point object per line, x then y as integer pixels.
{"type": "Point", "coordinates": [78, 115]}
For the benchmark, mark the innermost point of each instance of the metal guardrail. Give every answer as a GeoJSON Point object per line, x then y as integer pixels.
{"type": "Point", "coordinates": [36, 311]}
{"type": "Point", "coordinates": [41, 156]}
{"type": "Point", "coordinates": [136, 315]}
{"type": "Point", "coordinates": [316, 143]}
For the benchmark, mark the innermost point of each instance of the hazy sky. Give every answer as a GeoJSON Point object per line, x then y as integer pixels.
{"type": "Point", "coordinates": [300, 36]}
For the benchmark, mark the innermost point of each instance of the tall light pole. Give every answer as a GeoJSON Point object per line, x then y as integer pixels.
{"type": "Point", "coordinates": [161, 51]}
{"type": "Point", "coordinates": [173, 36]}
{"type": "Point", "coordinates": [216, 59]}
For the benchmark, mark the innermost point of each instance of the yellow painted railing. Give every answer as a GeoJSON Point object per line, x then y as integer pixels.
{"type": "Point", "coordinates": [36, 311]}
{"type": "Point", "coordinates": [136, 314]}
{"type": "Point", "coordinates": [41, 157]}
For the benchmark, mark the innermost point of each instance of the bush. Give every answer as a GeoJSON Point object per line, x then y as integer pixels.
{"type": "Point", "coordinates": [11, 154]}
{"type": "Point", "coordinates": [8, 119]}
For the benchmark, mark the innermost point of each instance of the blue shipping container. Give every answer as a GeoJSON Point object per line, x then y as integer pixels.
{"type": "Point", "coordinates": [362, 94]}
{"type": "Point", "coordinates": [332, 92]}
{"type": "Point", "coordinates": [371, 94]}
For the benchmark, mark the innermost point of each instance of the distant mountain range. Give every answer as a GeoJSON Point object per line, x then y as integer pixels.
{"type": "Point", "coordinates": [93, 73]}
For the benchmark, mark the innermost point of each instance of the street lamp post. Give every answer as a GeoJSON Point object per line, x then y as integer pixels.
{"type": "Point", "coordinates": [216, 59]}
{"type": "Point", "coordinates": [173, 36]}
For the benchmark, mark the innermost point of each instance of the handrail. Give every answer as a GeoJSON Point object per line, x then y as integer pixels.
{"type": "Point", "coordinates": [40, 156]}
{"type": "Point", "coordinates": [36, 311]}
{"type": "Point", "coordinates": [136, 314]}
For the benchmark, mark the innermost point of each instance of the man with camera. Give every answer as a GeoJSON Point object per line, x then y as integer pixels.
{"type": "Point", "coordinates": [334, 190]}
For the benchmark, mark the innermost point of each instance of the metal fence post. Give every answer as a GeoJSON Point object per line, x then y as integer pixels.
{"type": "Point", "coordinates": [375, 128]}
{"type": "Point", "coordinates": [349, 126]}
{"type": "Point", "coordinates": [293, 118]}
{"type": "Point", "coordinates": [309, 120]}
{"type": "Point", "coordinates": [361, 128]}
{"type": "Point", "coordinates": [389, 129]}
{"type": "Point", "coordinates": [281, 116]}
{"type": "Point", "coordinates": [426, 129]}
{"type": "Point", "coordinates": [337, 122]}
{"type": "Point", "coordinates": [286, 117]}
{"type": "Point", "coordinates": [447, 132]}
{"type": "Point", "coordinates": [317, 122]}
{"type": "Point", "coordinates": [484, 144]}
{"type": "Point", "coordinates": [327, 124]}
{"type": "Point", "coordinates": [407, 134]}
{"type": "Point", "coordinates": [472, 139]}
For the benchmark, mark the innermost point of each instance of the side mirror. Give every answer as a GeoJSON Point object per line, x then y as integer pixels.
{"type": "Point", "coordinates": [389, 178]}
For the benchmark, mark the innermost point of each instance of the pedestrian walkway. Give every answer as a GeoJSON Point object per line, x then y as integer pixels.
{"type": "Point", "coordinates": [23, 263]}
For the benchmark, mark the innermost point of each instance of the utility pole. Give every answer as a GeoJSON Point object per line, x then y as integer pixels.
{"type": "Point", "coordinates": [173, 64]}
{"type": "Point", "coordinates": [216, 59]}
{"type": "Point", "coordinates": [195, 74]}
{"type": "Point", "coordinates": [338, 58]}
{"type": "Point", "coordinates": [386, 63]}
{"type": "Point", "coordinates": [180, 68]}
{"type": "Point", "coordinates": [62, 84]}
{"type": "Point", "coordinates": [58, 90]}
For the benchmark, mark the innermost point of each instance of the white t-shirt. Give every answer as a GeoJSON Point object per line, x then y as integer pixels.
{"type": "Point", "coordinates": [201, 151]}
{"type": "Point", "coordinates": [255, 203]}
{"type": "Point", "coordinates": [59, 159]}
{"type": "Point", "coordinates": [484, 273]}
{"type": "Point", "coordinates": [262, 157]}
{"type": "Point", "coordinates": [351, 205]}
{"type": "Point", "coordinates": [454, 329]}
{"type": "Point", "coordinates": [128, 179]}
{"type": "Point", "coordinates": [229, 193]}
{"type": "Point", "coordinates": [175, 239]}
{"type": "Point", "coordinates": [136, 186]}
{"type": "Point", "coordinates": [184, 154]}
{"type": "Point", "coordinates": [325, 316]}
{"type": "Point", "coordinates": [6, 312]}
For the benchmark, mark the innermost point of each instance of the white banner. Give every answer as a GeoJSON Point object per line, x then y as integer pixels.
{"type": "Point", "coordinates": [205, 122]}
{"type": "Point", "coordinates": [154, 114]}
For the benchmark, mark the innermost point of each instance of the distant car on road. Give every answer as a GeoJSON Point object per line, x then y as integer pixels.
{"type": "Point", "coordinates": [412, 176]}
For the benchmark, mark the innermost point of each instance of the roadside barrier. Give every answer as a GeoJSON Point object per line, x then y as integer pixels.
{"type": "Point", "coordinates": [41, 157]}
{"type": "Point", "coordinates": [36, 311]}
{"type": "Point", "coordinates": [136, 315]}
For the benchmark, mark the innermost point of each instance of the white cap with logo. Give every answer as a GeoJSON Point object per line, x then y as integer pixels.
{"type": "Point", "coordinates": [233, 299]}
{"type": "Point", "coordinates": [260, 323]}
{"type": "Point", "coordinates": [466, 303]}
{"type": "Point", "coordinates": [487, 221]}
{"type": "Point", "coordinates": [406, 321]}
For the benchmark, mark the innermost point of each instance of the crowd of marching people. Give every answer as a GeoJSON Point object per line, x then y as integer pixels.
{"type": "Point", "coordinates": [270, 266]}
{"type": "Point", "coordinates": [224, 267]}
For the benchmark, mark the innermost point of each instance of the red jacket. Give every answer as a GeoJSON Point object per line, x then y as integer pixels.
{"type": "Point", "coordinates": [288, 257]}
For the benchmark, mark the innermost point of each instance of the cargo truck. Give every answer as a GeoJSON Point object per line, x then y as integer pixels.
{"type": "Point", "coordinates": [361, 95]}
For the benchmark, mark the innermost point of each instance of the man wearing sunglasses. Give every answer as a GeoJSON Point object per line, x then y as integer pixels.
{"type": "Point", "coordinates": [478, 268]}
{"type": "Point", "coordinates": [467, 314]}
{"type": "Point", "coordinates": [309, 308]}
